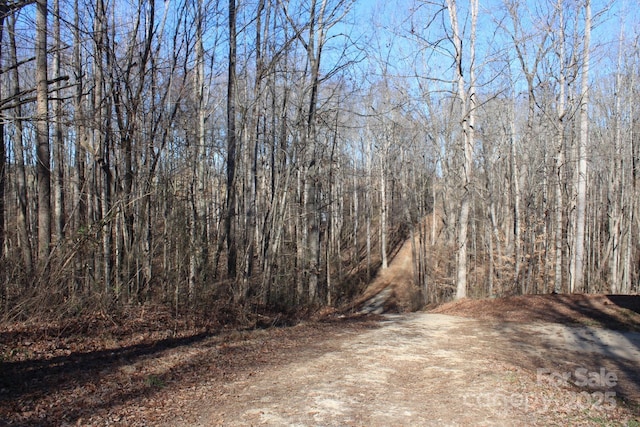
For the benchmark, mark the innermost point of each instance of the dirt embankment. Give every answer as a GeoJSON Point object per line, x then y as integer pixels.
{"type": "Point", "coordinates": [607, 311]}
{"type": "Point", "coordinates": [393, 289]}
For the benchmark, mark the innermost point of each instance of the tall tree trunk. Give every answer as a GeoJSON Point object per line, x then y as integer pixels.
{"type": "Point", "coordinates": [251, 238]}
{"type": "Point", "coordinates": [197, 253]}
{"type": "Point", "coordinates": [4, 10]}
{"type": "Point", "coordinates": [102, 175]}
{"type": "Point", "coordinates": [577, 278]}
{"type": "Point", "coordinates": [631, 252]}
{"type": "Point", "coordinates": [355, 258]}
{"type": "Point", "coordinates": [616, 182]}
{"type": "Point", "coordinates": [517, 228]}
{"type": "Point", "coordinates": [383, 212]}
{"type": "Point", "coordinates": [467, 99]}
{"type": "Point", "coordinates": [314, 54]}
{"type": "Point", "coordinates": [368, 201]}
{"type": "Point", "coordinates": [230, 220]}
{"type": "Point", "coordinates": [43, 166]}
{"type": "Point", "coordinates": [18, 151]}
{"type": "Point", "coordinates": [81, 202]}
{"type": "Point", "coordinates": [559, 158]}
{"type": "Point", "coordinates": [58, 142]}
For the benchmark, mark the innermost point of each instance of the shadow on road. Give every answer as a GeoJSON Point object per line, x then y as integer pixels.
{"type": "Point", "coordinates": [71, 389]}
{"type": "Point", "coordinates": [630, 302]}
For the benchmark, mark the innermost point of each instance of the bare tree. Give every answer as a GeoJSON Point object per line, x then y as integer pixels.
{"type": "Point", "coordinates": [58, 136]}
{"type": "Point", "coordinates": [559, 157]}
{"type": "Point", "coordinates": [230, 219]}
{"type": "Point", "coordinates": [42, 136]}
{"type": "Point", "coordinates": [81, 220]}
{"type": "Point", "coordinates": [577, 276]}
{"type": "Point", "coordinates": [18, 148]}
{"type": "Point", "coordinates": [467, 99]}
{"type": "Point", "coordinates": [530, 68]}
{"type": "Point", "coordinates": [4, 10]}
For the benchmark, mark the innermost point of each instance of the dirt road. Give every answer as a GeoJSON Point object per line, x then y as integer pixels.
{"type": "Point", "coordinates": [432, 369]}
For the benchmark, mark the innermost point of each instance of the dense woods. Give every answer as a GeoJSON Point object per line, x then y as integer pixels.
{"type": "Point", "coordinates": [273, 153]}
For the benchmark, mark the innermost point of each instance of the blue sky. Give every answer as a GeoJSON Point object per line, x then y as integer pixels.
{"type": "Point", "coordinates": [388, 24]}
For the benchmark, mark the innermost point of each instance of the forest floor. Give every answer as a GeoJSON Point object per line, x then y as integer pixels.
{"type": "Point", "coordinates": [528, 360]}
